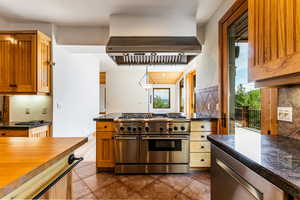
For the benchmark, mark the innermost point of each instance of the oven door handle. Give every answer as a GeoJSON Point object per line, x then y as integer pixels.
{"type": "Point", "coordinates": [125, 137]}
{"type": "Point", "coordinates": [164, 138]}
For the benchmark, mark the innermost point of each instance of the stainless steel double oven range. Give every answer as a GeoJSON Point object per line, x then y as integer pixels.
{"type": "Point", "coordinates": [152, 145]}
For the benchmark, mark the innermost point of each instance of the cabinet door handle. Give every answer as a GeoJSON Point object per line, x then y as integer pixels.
{"type": "Point", "coordinates": [13, 85]}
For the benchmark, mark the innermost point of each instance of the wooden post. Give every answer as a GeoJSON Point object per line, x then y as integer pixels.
{"type": "Point", "coordinates": [245, 116]}
{"type": "Point", "coordinates": [5, 115]}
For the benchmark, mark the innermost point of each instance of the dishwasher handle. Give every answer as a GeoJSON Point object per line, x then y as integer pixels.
{"type": "Point", "coordinates": [244, 183]}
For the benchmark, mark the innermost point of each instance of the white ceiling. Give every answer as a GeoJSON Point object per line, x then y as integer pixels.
{"type": "Point", "coordinates": [97, 12]}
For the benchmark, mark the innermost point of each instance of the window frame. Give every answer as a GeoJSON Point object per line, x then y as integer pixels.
{"type": "Point", "coordinates": [153, 97]}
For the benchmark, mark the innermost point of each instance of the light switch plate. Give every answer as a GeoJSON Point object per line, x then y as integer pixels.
{"type": "Point", "coordinates": [285, 114]}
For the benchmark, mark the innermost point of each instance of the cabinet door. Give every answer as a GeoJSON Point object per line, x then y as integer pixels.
{"type": "Point", "coordinates": [25, 63]}
{"type": "Point", "coordinates": [274, 38]}
{"type": "Point", "coordinates": [44, 63]}
{"type": "Point", "coordinates": [105, 149]}
{"type": "Point", "coordinates": [6, 62]}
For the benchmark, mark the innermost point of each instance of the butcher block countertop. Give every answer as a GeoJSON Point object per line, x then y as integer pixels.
{"type": "Point", "coordinates": [23, 158]}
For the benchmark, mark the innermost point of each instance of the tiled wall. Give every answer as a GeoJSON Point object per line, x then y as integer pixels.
{"type": "Point", "coordinates": [207, 102]}
{"type": "Point", "coordinates": [290, 97]}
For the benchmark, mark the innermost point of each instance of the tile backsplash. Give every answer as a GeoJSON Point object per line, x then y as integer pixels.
{"type": "Point", "coordinates": [207, 102]}
{"type": "Point", "coordinates": [290, 97]}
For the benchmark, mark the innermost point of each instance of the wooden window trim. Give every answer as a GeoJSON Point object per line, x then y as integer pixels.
{"type": "Point", "coordinates": [269, 96]}
{"type": "Point", "coordinates": [169, 89]}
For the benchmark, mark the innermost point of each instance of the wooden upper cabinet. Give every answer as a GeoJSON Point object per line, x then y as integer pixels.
{"type": "Point", "coordinates": [25, 59]}
{"type": "Point", "coordinates": [6, 61]}
{"type": "Point", "coordinates": [274, 42]}
{"type": "Point", "coordinates": [44, 63]}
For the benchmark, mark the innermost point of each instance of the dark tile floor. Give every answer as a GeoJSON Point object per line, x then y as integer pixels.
{"type": "Point", "coordinates": [87, 184]}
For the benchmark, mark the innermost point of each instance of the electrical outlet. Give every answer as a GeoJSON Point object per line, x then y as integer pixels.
{"type": "Point", "coordinates": [44, 111]}
{"type": "Point", "coordinates": [27, 111]}
{"type": "Point", "coordinates": [285, 114]}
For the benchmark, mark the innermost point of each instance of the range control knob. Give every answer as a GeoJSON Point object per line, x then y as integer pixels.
{"type": "Point", "coordinates": [147, 128]}
{"type": "Point", "coordinates": [134, 129]}
{"type": "Point", "coordinates": [161, 129]}
{"type": "Point", "coordinates": [170, 129]}
{"type": "Point", "coordinates": [122, 128]}
{"type": "Point", "coordinates": [182, 128]}
{"type": "Point", "coordinates": [175, 128]}
{"type": "Point", "coordinates": [129, 128]}
{"type": "Point", "coordinates": [140, 128]}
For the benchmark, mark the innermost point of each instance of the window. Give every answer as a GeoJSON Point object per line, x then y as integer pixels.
{"type": "Point", "coordinates": [161, 98]}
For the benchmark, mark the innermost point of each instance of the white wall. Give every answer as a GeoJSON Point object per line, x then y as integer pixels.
{"type": "Point", "coordinates": [69, 35]}
{"type": "Point", "coordinates": [174, 100]}
{"type": "Point", "coordinates": [124, 94]}
{"type": "Point", "coordinates": [207, 63]}
{"type": "Point", "coordinates": [125, 25]}
{"type": "Point", "coordinates": [39, 107]}
{"type": "Point", "coordinates": [102, 98]}
{"type": "Point", "coordinates": [75, 94]}
{"type": "Point", "coordinates": [123, 91]}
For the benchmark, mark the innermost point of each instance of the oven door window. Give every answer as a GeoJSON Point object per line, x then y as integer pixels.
{"type": "Point", "coordinates": [165, 145]}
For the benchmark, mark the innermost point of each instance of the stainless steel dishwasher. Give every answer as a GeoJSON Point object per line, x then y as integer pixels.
{"type": "Point", "coordinates": [231, 180]}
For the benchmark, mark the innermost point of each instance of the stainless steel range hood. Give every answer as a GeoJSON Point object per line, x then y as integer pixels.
{"type": "Point", "coordinates": [153, 50]}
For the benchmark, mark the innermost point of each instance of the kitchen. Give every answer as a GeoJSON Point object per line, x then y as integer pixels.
{"type": "Point", "coordinates": [183, 124]}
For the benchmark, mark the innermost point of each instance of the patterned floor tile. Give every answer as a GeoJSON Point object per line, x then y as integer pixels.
{"type": "Point", "coordinates": [80, 189]}
{"type": "Point", "coordinates": [203, 177]}
{"type": "Point", "coordinates": [88, 196]}
{"type": "Point", "coordinates": [136, 182]}
{"type": "Point", "coordinates": [197, 191]}
{"type": "Point", "coordinates": [75, 177]}
{"type": "Point", "coordinates": [86, 171]}
{"type": "Point", "coordinates": [116, 190]}
{"type": "Point", "coordinates": [158, 191]}
{"type": "Point", "coordinates": [99, 180]}
{"type": "Point", "coordinates": [178, 182]}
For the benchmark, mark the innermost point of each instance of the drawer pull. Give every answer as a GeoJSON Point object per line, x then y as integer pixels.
{"type": "Point", "coordinates": [3, 134]}
{"type": "Point", "coordinates": [202, 160]}
{"type": "Point", "coordinates": [105, 126]}
{"type": "Point", "coordinates": [202, 136]}
{"type": "Point", "coordinates": [202, 126]}
{"type": "Point", "coordinates": [202, 147]}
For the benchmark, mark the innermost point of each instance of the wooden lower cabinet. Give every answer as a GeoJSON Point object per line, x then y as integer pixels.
{"type": "Point", "coordinates": [199, 145]}
{"type": "Point", "coordinates": [105, 150]}
{"type": "Point", "coordinates": [43, 131]}
{"type": "Point", "coordinates": [61, 190]}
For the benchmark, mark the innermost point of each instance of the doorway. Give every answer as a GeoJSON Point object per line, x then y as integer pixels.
{"type": "Point", "coordinates": [243, 106]}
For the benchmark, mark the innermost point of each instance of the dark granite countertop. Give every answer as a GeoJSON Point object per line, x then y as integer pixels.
{"type": "Point", "coordinates": [204, 118]}
{"type": "Point", "coordinates": [276, 158]}
{"type": "Point", "coordinates": [13, 125]}
{"type": "Point", "coordinates": [108, 117]}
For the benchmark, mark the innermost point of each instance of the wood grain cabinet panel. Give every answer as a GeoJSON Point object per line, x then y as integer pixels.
{"type": "Point", "coordinates": [6, 61]}
{"type": "Point", "coordinates": [274, 41]}
{"type": "Point", "coordinates": [43, 131]}
{"type": "Point", "coordinates": [25, 62]}
{"type": "Point", "coordinates": [105, 150]}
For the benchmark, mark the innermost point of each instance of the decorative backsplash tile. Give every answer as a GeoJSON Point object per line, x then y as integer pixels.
{"type": "Point", "coordinates": [290, 97]}
{"type": "Point", "coordinates": [207, 102]}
